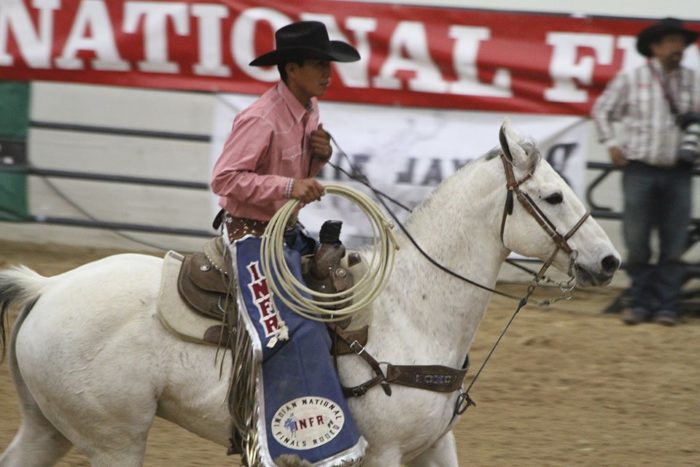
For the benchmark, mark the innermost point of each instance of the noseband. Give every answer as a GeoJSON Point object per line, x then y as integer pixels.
{"type": "Point", "coordinates": [513, 186]}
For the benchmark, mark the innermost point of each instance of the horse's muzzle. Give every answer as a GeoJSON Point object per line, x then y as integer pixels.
{"type": "Point", "coordinates": [601, 275]}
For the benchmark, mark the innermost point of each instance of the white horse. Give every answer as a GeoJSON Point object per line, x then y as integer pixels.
{"type": "Point", "coordinates": [93, 365]}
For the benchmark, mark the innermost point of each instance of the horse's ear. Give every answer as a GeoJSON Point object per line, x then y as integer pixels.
{"type": "Point", "coordinates": [503, 139]}
{"type": "Point", "coordinates": [513, 148]}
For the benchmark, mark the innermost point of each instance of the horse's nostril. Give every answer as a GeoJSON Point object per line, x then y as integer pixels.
{"type": "Point", "coordinates": [610, 263]}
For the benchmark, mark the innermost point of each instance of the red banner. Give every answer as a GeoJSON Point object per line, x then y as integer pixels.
{"type": "Point", "coordinates": [411, 55]}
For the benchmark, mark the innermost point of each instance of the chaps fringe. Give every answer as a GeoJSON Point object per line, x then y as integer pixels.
{"type": "Point", "coordinates": [242, 402]}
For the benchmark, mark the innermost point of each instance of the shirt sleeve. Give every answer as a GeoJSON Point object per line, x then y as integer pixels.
{"type": "Point", "coordinates": [609, 109]}
{"type": "Point", "coordinates": [235, 173]}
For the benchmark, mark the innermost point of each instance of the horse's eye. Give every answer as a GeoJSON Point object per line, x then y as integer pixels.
{"type": "Point", "coordinates": [555, 198]}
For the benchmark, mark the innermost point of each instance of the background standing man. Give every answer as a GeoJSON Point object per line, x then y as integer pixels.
{"type": "Point", "coordinates": [648, 103]}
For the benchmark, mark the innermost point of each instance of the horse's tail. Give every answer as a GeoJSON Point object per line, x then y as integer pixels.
{"type": "Point", "coordinates": [19, 285]}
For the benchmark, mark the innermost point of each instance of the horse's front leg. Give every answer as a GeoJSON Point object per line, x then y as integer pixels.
{"type": "Point", "coordinates": [441, 454]}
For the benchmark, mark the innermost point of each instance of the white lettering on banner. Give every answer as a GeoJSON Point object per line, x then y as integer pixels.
{"type": "Point", "coordinates": [464, 55]}
{"type": "Point", "coordinates": [34, 45]}
{"type": "Point", "coordinates": [155, 28]}
{"type": "Point", "coordinates": [411, 37]}
{"type": "Point", "coordinates": [243, 40]}
{"type": "Point", "coordinates": [92, 30]}
{"type": "Point", "coordinates": [352, 74]}
{"type": "Point", "coordinates": [563, 67]}
{"type": "Point", "coordinates": [210, 39]}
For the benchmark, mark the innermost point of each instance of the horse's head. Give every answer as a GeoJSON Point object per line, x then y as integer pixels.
{"type": "Point", "coordinates": [544, 218]}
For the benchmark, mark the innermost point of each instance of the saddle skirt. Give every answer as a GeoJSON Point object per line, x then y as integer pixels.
{"type": "Point", "coordinates": [177, 314]}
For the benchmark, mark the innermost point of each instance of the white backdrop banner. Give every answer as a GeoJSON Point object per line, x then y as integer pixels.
{"type": "Point", "coordinates": [407, 152]}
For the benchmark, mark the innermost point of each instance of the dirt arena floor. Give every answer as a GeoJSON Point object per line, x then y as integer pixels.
{"type": "Point", "coordinates": [568, 386]}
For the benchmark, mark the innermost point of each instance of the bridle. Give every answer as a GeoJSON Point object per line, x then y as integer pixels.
{"type": "Point", "coordinates": [561, 242]}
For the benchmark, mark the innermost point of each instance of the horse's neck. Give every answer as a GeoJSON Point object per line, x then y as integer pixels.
{"type": "Point", "coordinates": [458, 227]}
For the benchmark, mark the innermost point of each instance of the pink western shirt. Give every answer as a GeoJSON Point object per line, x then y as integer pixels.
{"type": "Point", "coordinates": [268, 148]}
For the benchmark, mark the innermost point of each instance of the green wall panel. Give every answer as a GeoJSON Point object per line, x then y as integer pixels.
{"type": "Point", "coordinates": [14, 124]}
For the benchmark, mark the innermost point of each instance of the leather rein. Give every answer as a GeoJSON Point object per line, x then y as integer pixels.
{"type": "Point", "coordinates": [445, 379]}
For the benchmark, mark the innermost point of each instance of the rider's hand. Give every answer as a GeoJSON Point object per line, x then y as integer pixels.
{"type": "Point", "coordinates": [617, 156]}
{"type": "Point", "coordinates": [321, 143]}
{"type": "Point", "coordinates": [307, 190]}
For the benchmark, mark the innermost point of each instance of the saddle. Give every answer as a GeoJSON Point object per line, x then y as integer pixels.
{"type": "Point", "coordinates": [198, 299]}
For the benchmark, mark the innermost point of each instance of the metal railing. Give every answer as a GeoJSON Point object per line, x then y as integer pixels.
{"type": "Point", "coordinates": [597, 210]}
{"type": "Point", "coordinates": [75, 175]}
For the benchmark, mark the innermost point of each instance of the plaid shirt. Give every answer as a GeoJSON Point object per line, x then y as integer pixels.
{"type": "Point", "coordinates": [268, 149]}
{"type": "Point", "coordinates": [635, 100]}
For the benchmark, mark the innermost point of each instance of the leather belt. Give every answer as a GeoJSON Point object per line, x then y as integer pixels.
{"type": "Point", "coordinates": [239, 227]}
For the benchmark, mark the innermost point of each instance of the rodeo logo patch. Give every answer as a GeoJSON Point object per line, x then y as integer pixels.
{"type": "Point", "coordinates": [269, 318]}
{"type": "Point", "coordinates": [307, 422]}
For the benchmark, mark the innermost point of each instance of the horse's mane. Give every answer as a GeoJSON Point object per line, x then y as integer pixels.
{"type": "Point", "coordinates": [493, 153]}
{"type": "Point", "coordinates": [466, 167]}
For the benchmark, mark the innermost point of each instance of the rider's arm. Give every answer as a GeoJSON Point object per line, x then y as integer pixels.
{"type": "Point", "coordinates": [245, 151]}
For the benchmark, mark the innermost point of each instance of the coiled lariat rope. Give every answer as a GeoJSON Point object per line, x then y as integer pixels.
{"type": "Point", "coordinates": [321, 306]}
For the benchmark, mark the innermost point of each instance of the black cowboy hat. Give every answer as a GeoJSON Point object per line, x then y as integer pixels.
{"type": "Point", "coordinates": [660, 29]}
{"type": "Point", "coordinates": [306, 39]}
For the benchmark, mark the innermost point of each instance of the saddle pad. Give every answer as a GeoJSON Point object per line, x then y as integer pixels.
{"type": "Point", "coordinates": [176, 316]}
{"type": "Point", "coordinates": [305, 412]}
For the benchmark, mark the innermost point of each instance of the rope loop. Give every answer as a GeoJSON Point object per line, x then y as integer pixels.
{"type": "Point", "coordinates": [320, 306]}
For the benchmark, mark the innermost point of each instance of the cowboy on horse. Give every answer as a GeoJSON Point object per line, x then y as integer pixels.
{"type": "Point", "coordinates": [275, 149]}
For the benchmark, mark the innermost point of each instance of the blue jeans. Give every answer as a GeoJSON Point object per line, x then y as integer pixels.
{"type": "Point", "coordinates": [297, 239]}
{"type": "Point", "coordinates": [656, 198]}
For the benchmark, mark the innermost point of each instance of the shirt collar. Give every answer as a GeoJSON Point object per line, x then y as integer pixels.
{"type": "Point", "coordinates": [297, 110]}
